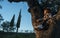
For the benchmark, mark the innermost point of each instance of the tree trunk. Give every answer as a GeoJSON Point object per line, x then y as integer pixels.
{"type": "Point", "coordinates": [17, 30]}
{"type": "Point", "coordinates": [51, 32]}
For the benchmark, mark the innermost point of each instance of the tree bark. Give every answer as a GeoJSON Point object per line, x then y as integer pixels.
{"type": "Point", "coordinates": [53, 29]}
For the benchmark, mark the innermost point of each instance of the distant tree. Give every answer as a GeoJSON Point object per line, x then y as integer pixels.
{"type": "Point", "coordinates": [26, 31]}
{"type": "Point", "coordinates": [31, 31]}
{"type": "Point", "coordinates": [21, 31]}
{"type": "Point", "coordinates": [1, 18]}
{"type": "Point", "coordinates": [6, 27]}
{"type": "Point", "coordinates": [12, 22]}
{"type": "Point", "coordinates": [18, 21]}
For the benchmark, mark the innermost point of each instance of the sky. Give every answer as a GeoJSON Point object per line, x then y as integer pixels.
{"type": "Point", "coordinates": [9, 9]}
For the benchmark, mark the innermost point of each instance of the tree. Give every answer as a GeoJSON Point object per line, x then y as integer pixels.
{"type": "Point", "coordinates": [12, 22]}
{"type": "Point", "coordinates": [9, 26]}
{"type": "Point", "coordinates": [1, 18]}
{"type": "Point", "coordinates": [0, 14]}
{"type": "Point", "coordinates": [18, 21]}
{"type": "Point", "coordinates": [26, 31]}
{"type": "Point", "coordinates": [6, 27]}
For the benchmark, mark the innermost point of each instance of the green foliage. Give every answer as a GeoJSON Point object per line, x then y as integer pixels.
{"type": "Point", "coordinates": [6, 27]}
{"type": "Point", "coordinates": [19, 35]}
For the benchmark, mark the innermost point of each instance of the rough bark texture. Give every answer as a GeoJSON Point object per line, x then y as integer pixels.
{"type": "Point", "coordinates": [54, 26]}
